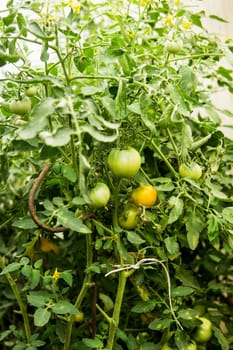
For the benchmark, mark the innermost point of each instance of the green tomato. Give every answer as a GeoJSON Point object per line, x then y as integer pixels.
{"type": "Point", "coordinates": [129, 217]}
{"type": "Point", "coordinates": [192, 346]}
{"type": "Point", "coordinates": [31, 91]}
{"type": "Point", "coordinates": [173, 46]}
{"type": "Point", "coordinates": [99, 195]}
{"type": "Point", "coordinates": [21, 107]}
{"type": "Point", "coordinates": [124, 163]}
{"type": "Point", "coordinates": [194, 171]}
{"type": "Point", "coordinates": [204, 331]}
{"type": "Point", "coordinates": [166, 347]}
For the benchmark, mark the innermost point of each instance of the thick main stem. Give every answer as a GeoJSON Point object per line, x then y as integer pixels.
{"type": "Point", "coordinates": [117, 309]}
{"type": "Point", "coordinates": [85, 286]}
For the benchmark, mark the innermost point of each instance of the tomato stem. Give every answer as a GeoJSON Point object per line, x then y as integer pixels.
{"type": "Point", "coordinates": [85, 286]}
{"type": "Point", "coordinates": [117, 309]}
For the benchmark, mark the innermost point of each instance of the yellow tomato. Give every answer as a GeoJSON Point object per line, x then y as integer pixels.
{"type": "Point", "coordinates": [145, 195]}
{"type": "Point", "coordinates": [47, 246]}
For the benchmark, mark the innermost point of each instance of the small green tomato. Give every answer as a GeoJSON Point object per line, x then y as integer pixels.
{"type": "Point", "coordinates": [99, 195]}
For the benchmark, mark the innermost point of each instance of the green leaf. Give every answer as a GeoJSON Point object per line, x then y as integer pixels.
{"type": "Point", "coordinates": [99, 136]}
{"type": "Point", "coordinates": [110, 106]}
{"type": "Point", "coordinates": [171, 245]}
{"type": "Point", "coordinates": [41, 317]}
{"type": "Point", "coordinates": [188, 79]}
{"type": "Point", "coordinates": [64, 307]}
{"type": "Point", "coordinates": [93, 343]}
{"type": "Point", "coordinates": [67, 277]}
{"type": "Point", "coordinates": [60, 138]}
{"type": "Point", "coordinates": [182, 291]}
{"type": "Point", "coordinates": [134, 238]}
{"type": "Point", "coordinates": [213, 227]}
{"type": "Point", "coordinates": [187, 278]}
{"type": "Point", "coordinates": [67, 219]}
{"type": "Point", "coordinates": [107, 302]}
{"type": "Point", "coordinates": [25, 223]}
{"type": "Point", "coordinates": [36, 30]}
{"type": "Point", "coordinates": [177, 210]}
{"type": "Point", "coordinates": [38, 119]}
{"type": "Point", "coordinates": [144, 306]}
{"type": "Point", "coordinates": [91, 90]}
{"type": "Point", "coordinates": [221, 338]}
{"type": "Point", "coordinates": [38, 298]}
{"type": "Point", "coordinates": [10, 268]}
{"type": "Point", "coordinates": [187, 314]}
{"type": "Point", "coordinates": [227, 214]}
{"type": "Point", "coordinates": [178, 99]}
{"type": "Point", "coordinates": [160, 324]}
{"type": "Point", "coordinates": [69, 173]}
{"type": "Point", "coordinates": [194, 226]}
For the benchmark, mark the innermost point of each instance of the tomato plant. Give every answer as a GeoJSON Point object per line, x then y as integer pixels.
{"type": "Point", "coordinates": [125, 162]}
{"type": "Point", "coordinates": [145, 195]}
{"type": "Point", "coordinates": [99, 195]}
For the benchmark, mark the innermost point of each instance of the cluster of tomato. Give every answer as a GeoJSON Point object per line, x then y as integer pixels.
{"type": "Point", "coordinates": [125, 163]}
{"type": "Point", "coordinates": [24, 105]}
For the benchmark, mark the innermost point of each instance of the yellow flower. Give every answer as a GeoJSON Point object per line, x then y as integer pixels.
{"type": "Point", "coordinates": [56, 275]}
{"type": "Point", "coordinates": [169, 20]}
{"type": "Point", "coordinates": [186, 24]}
{"type": "Point", "coordinates": [177, 2]}
{"type": "Point", "coordinates": [76, 8]}
{"type": "Point", "coordinates": [144, 2]}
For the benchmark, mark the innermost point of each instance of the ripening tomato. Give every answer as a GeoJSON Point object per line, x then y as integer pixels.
{"type": "Point", "coordinates": [31, 91]}
{"type": "Point", "coordinates": [99, 195]}
{"type": "Point", "coordinates": [129, 217]}
{"type": "Point", "coordinates": [47, 246]}
{"type": "Point", "coordinates": [124, 163]}
{"type": "Point", "coordinates": [145, 195]}
{"type": "Point", "coordinates": [204, 331]}
{"type": "Point", "coordinates": [194, 171]}
{"type": "Point", "coordinates": [21, 107]}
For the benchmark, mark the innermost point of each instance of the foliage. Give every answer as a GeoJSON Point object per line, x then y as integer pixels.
{"type": "Point", "coordinates": [105, 78]}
